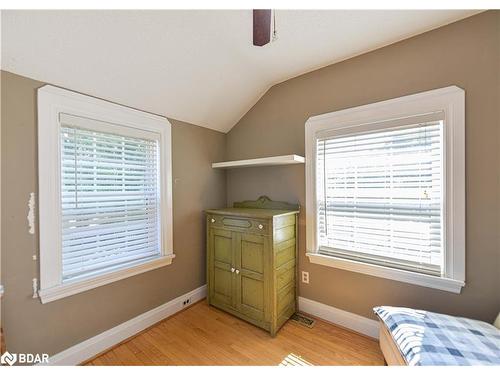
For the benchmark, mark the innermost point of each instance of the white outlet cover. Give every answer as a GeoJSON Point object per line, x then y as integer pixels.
{"type": "Point", "coordinates": [305, 277]}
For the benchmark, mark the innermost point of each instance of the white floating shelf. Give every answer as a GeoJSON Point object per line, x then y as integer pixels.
{"type": "Point", "coordinates": [261, 162]}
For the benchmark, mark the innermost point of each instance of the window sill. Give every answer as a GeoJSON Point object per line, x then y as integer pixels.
{"type": "Point", "coordinates": [409, 277]}
{"type": "Point", "coordinates": [65, 290]}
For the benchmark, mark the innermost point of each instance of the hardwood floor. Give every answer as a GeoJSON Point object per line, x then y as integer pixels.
{"type": "Point", "coordinates": [204, 335]}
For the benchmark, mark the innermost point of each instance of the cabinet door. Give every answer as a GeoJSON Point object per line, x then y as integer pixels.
{"type": "Point", "coordinates": [251, 261]}
{"type": "Point", "coordinates": [220, 261]}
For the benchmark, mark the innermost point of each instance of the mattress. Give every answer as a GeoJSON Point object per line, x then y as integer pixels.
{"type": "Point", "coordinates": [430, 339]}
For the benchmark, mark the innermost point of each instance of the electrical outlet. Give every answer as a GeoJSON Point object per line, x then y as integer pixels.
{"type": "Point", "coordinates": [305, 277]}
{"type": "Point", "coordinates": [186, 302]}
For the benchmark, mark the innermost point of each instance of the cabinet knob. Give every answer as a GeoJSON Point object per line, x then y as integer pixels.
{"type": "Point", "coordinates": [212, 220]}
{"type": "Point", "coordinates": [232, 269]}
{"type": "Point", "coordinates": [261, 226]}
{"type": "Point", "coordinates": [237, 271]}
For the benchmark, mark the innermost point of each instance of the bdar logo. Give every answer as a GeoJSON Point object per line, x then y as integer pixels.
{"type": "Point", "coordinates": [8, 359]}
{"type": "Point", "coordinates": [23, 358]}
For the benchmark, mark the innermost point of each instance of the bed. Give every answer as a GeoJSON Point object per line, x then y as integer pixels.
{"type": "Point", "coordinates": [422, 338]}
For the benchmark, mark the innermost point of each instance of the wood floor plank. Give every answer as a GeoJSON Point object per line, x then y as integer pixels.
{"type": "Point", "coordinates": [112, 358]}
{"type": "Point", "coordinates": [204, 335]}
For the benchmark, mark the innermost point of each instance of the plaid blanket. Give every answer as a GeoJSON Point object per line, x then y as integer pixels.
{"type": "Point", "coordinates": [425, 338]}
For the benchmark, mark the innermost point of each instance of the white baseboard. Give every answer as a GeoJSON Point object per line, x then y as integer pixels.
{"type": "Point", "coordinates": [339, 317]}
{"type": "Point", "coordinates": [97, 344]}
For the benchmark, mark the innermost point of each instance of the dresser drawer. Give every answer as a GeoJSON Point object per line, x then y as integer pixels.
{"type": "Point", "coordinates": [246, 224]}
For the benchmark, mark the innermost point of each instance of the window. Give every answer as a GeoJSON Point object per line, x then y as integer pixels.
{"type": "Point", "coordinates": [379, 196]}
{"type": "Point", "coordinates": [385, 189]}
{"type": "Point", "coordinates": [105, 196]}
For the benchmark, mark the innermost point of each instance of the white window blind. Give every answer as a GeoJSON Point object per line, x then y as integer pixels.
{"type": "Point", "coordinates": [110, 201]}
{"type": "Point", "coordinates": [379, 196]}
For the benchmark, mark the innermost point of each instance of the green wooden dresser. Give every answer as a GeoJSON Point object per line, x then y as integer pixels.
{"type": "Point", "coordinates": [251, 261]}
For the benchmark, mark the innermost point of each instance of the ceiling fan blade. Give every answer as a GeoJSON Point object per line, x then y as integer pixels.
{"type": "Point", "coordinates": [261, 27]}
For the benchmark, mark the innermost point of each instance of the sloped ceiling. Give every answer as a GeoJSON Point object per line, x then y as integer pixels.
{"type": "Point", "coordinates": [198, 66]}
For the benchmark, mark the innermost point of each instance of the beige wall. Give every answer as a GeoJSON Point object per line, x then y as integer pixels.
{"type": "Point", "coordinates": [32, 327]}
{"type": "Point", "coordinates": [465, 54]}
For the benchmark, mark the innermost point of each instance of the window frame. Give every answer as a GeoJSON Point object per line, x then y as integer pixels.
{"type": "Point", "coordinates": [52, 102]}
{"type": "Point", "coordinates": [449, 100]}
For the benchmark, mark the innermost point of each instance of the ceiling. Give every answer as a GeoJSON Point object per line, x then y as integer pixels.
{"type": "Point", "coordinates": [198, 66]}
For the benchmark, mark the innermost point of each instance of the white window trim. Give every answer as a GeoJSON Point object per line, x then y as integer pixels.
{"type": "Point", "coordinates": [53, 101]}
{"type": "Point", "coordinates": [451, 101]}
